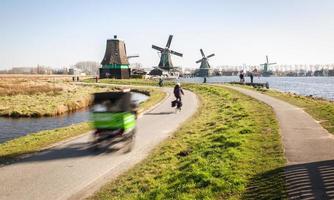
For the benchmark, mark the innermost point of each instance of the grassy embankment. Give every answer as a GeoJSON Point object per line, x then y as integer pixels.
{"type": "Point", "coordinates": [38, 98]}
{"type": "Point", "coordinates": [139, 82]}
{"type": "Point", "coordinates": [320, 109]}
{"type": "Point", "coordinates": [37, 141]}
{"type": "Point", "coordinates": [228, 150]}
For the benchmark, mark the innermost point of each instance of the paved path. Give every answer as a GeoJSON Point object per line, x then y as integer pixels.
{"type": "Point", "coordinates": [71, 171]}
{"type": "Point", "coordinates": [309, 150]}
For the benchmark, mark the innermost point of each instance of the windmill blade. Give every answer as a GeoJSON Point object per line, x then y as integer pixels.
{"type": "Point", "coordinates": [209, 56]}
{"type": "Point", "coordinates": [157, 48]}
{"type": "Point", "coordinates": [267, 59]}
{"type": "Point", "coordinates": [272, 63]}
{"type": "Point", "coordinates": [199, 60]}
{"type": "Point", "coordinates": [133, 56]}
{"type": "Point", "coordinates": [201, 50]}
{"type": "Point", "coordinates": [169, 41]}
{"type": "Point", "coordinates": [176, 53]}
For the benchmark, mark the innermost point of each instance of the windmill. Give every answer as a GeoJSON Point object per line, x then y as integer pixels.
{"type": "Point", "coordinates": [115, 62]}
{"type": "Point", "coordinates": [265, 71]}
{"type": "Point", "coordinates": [165, 55]}
{"type": "Point", "coordinates": [204, 69]}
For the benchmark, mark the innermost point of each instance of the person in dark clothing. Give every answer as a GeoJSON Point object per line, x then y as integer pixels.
{"type": "Point", "coordinates": [178, 92]}
{"type": "Point", "coordinates": [204, 81]}
{"type": "Point", "coordinates": [251, 76]}
{"type": "Point", "coordinates": [161, 82]}
{"type": "Point", "coordinates": [241, 76]}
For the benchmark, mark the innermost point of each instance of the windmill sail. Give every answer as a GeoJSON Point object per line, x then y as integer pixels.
{"type": "Point", "coordinates": [204, 69]}
{"type": "Point", "coordinates": [165, 62]}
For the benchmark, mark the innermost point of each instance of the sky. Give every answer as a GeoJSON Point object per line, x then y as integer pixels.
{"type": "Point", "coordinates": [60, 33]}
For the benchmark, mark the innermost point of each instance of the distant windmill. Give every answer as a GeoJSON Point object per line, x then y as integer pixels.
{"type": "Point", "coordinates": [204, 69]}
{"type": "Point", "coordinates": [267, 64]}
{"type": "Point", "coordinates": [165, 57]}
{"type": "Point", "coordinates": [204, 60]}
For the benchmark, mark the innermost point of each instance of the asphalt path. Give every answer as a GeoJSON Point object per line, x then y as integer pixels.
{"type": "Point", "coordinates": [309, 150]}
{"type": "Point", "coordinates": [71, 170]}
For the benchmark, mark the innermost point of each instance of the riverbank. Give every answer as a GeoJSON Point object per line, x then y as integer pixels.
{"type": "Point", "coordinates": [39, 98]}
{"type": "Point", "coordinates": [138, 82]}
{"type": "Point", "coordinates": [35, 142]}
{"type": "Point", "coordinates": [222, 153]}
{"type": "Point", "coordinates": [320, 109]}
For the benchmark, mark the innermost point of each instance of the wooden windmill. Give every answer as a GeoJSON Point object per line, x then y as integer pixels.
{"type": "Point", "coordinates": [165, 55]}
{"type": "Point", "coordinates": [266, 65]}
{"type": "Point", "coordinates": [204, 69]}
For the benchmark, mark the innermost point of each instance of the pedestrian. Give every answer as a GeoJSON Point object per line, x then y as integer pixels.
{"type": "Point", "coordinates": [161, 82]}
{"type": "Point", "coordinates": [251, 77]}
{"type": "Point", "coordinates": [204, 81]}
{"type": "Point", "coordinates": [77, 78]}
{"type": "Point", "coordinates": [241, 76]}
{"type": "Point", "coordinates": [96, 79]}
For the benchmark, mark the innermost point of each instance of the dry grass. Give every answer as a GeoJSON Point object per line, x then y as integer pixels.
{"type": "Point", "coordinates": [37, 97]}
{"type": "Point", "coordinates": [27, 88]}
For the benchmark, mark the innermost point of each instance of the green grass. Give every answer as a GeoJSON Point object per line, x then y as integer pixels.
{"type": "Point", "coordinates": [35, 142]}
{"type": "Point", "coordinates": [320, 109]}
{"type": "Point", "coordinates": [229, 150]}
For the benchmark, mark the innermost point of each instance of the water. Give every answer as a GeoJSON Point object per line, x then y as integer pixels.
{"type": "Point", "coordinates": [315, 86]}
{"type": "Point", "coordinates": [12, 127]}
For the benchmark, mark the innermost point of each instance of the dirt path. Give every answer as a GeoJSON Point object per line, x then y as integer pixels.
{"type": "Point", "coordinates": [72, 171]}
{"type": "Point", "coordinates": [309, 150]}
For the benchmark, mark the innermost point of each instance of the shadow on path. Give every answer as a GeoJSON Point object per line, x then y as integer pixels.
{"type": "Point", "coordinates": [76, 150]}
{"type": "Point", "coordinates": [160, 113]}
{"type": "Point", "coordinates": [302, 181]}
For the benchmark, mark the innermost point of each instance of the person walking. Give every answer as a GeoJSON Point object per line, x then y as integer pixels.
{"type": "Point", "coordinates": [161, 82]}
{"type": "Point", "coordinates": [251, 77]}
{"type": "Point", "coordinates": [241, 76]}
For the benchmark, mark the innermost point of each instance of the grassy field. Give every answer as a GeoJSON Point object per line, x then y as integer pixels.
{"type": "Point", "coordinates": [35, 142]}
{"type": "Point", "coordinates": [320, 109]}
{"type": "Point", "coordinates": [26, 97]}
{"type": "Point", "coordinates": [228, 150]}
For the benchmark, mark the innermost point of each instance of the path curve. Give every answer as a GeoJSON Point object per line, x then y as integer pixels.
{"type": "Point", "coordinates": [309, 150]}
{"type": "Point", "coordinates": [71, 171]}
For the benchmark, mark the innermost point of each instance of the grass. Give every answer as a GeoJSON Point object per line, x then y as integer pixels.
{"type": "Point", "coordinates": [35, 142]}
{"type": "Point", "coordinates": [320, 109]}
{"type": "Point", "coordinates": [38, 98]}
{"type": "Point", "coordinates": [228, 150]}
{"type": "Point", "coordinates": [11, 89]}
{"type": "Point", "coordinates": [140, 82]}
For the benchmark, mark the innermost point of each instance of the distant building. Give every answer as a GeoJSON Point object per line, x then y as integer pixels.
{"type": "Point", "coordinates": [75, 71]}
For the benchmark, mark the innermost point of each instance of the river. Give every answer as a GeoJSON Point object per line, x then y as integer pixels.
{"type": "Point", "coordinates": [316, 86]}
{"type": "Point", "coordinates": [15, 127]}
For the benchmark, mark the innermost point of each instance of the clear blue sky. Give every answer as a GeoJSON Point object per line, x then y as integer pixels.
{"type": "Point", "coordinates": [62, 32]}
